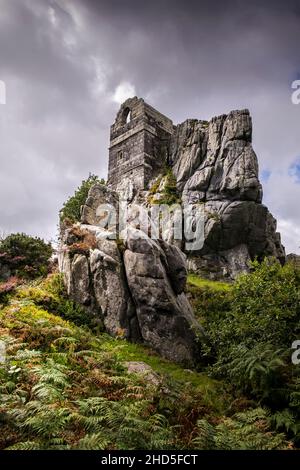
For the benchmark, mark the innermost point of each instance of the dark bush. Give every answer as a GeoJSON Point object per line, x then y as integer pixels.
{"type": "Point", "coordinates": [251, 329]}
{"type": "Point", "coordinates": [25, 256]}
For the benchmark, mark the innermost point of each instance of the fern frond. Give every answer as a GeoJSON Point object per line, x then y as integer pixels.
{"type": "Point", "coordinates": [96, 441]}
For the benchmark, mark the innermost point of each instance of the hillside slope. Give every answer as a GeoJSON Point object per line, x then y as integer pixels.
{"type": "Point", "coordinates": [64, 385]}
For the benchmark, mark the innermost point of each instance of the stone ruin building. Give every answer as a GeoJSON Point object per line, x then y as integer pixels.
{"type": "Point", "coordinates": [136, 288]}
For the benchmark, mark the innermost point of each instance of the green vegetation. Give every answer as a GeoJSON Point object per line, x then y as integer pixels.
{"type": "Point", "coordinates": [71, 209]}
{"type": "Point", "coordinates": [25, 256]}
{"type": "Point", "coordinates": [213, 215]}
{"type": "Point", "coordinates": [154, 188]}
{"type": "Point", "coordinates": [50, 295]}
{"type": "Point", "coordinates": [169, 194]}
{"type": "Point", "coordinates": [252, 327]}
{"type": "Point", "coordinates": [208, 298]}
{"type": "Point", "coordinates": [244, 431]}
{"type": "Point", "coordinates": [207, 283]}
{"type": "Point", "coordinates": [64, 385]}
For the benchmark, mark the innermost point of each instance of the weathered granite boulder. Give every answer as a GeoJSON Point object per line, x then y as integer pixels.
{"type": "Point", "coordinates": [216, 166]}
{"type": "Point", "coordinates": [228, 168]}
{"type": "Point", "coordinates": [98, 195]}
{"type": "Point", "coordinates": [95, 278]}
{"type": "Point", "coordinates": [165, 317]}
{"type": "Point", "coordinates": [135, 287]}
{"type": "Point", "coordinates": [144, 371]}
{"type": "Point", "coordinates": [188, 149]}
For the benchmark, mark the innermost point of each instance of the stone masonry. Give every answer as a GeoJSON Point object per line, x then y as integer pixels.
{"type": "Point", "coordinates": [139, 143]}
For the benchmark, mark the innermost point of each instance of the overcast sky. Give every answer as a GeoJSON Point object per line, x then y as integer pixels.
{"type": "Point", "coordinates": [67, 65]}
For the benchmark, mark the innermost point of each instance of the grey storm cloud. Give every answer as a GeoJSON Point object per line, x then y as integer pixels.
{"type": "Point", "coordinates": [68, 63]}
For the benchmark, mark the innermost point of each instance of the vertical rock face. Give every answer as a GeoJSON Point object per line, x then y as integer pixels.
{"type": "Point", "coordinates": [216, 166]}
{"type": "Point", "coordinates": [94, 277]}
{"type": "Point", "coordinates": [156, 274]}
{"type": "Point", "coordinates": [228, 168]}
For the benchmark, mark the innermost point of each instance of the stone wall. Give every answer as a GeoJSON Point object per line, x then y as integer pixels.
{"type": "Point", "coordinates": [138, 148]}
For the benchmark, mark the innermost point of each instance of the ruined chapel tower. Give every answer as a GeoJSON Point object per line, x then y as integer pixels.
{"type": "Point", "coordinates": [138, 149]}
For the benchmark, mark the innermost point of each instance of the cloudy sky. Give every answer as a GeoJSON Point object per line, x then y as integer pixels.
{"type": "Point", "coordinates": [67, 64]}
